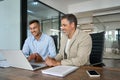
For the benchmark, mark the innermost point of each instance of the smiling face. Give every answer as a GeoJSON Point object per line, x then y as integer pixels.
{"type": "Point", "coordinates": [35, 29]}
{"type": "Point", "coordinates": [67, 27]}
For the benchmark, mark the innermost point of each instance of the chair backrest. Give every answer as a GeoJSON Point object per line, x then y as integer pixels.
{"type": "Point", "coordinates": [97, 48]}
{"type": "Point", "coordinates": [55, 38]}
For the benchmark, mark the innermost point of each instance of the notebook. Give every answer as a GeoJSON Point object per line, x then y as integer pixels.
{"type": "Point", "coordinates": [60, 71]}
{"type": "Point", "coordinates": [17, 59]}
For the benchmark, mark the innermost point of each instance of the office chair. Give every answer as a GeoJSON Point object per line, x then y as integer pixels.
{"type": "Point", "coordinates": [96, 55]}
{"type": "Point", "coordinates": [55, 37]}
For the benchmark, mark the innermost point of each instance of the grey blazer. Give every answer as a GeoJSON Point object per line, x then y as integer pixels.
{"type": "Point", "coordinates": [79, 49]}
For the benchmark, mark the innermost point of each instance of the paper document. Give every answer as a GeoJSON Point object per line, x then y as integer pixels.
{"type": "Point", "coordinates": [3, 62]}
{"type": "Point", "coordinates": [1, 56]}
{"type": "Point", "coordinates": [60, 71]}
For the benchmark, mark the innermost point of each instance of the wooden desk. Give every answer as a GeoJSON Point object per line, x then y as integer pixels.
{"type": "Point", "coordinates": [80, 74]}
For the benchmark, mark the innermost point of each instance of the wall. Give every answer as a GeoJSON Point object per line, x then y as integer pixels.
{"type": "Point", "coordinates": [111, 22]}
{"type": "Point", "coordinates": [10, 24]}
{"type": "Point", "coordinates": [85, 20]}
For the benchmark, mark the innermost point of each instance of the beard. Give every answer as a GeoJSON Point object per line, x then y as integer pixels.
{"type": "Point", "coordinates": [64, 32]}
{"type": "Point", "coordinates": [36, 34]}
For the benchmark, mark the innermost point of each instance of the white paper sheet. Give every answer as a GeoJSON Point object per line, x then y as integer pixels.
{"type": "Point", "coordinates": [60, 71]}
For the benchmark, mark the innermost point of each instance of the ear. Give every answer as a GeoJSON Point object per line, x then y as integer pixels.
{"type": "Point", "coordinates": [73, 25]}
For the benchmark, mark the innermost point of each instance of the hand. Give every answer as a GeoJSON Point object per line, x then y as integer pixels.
{"type": "Point", "coordinates": [52, 62]}
{"type": "Point", "coordinates": [35, 57]}
{"type": "Point", "coordinates": [31, 57]}
{"type": "Point", "coordinates": [38, 58]}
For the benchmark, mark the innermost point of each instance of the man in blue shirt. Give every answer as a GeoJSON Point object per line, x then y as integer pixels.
{"type": "Point", "coordinates": [38, 46]}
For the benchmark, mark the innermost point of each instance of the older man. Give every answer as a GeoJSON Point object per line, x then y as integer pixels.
{"type": "Point", "coordinates": [75, 44]}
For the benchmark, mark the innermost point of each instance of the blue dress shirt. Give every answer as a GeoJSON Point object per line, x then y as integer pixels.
{"type": "Point", "coordinates": [44, 46]}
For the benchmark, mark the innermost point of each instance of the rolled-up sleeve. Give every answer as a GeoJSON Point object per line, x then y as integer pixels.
{"type": "Point", "coordinates": [25, 48]}
{"type": "Point", "coordinates": [51, 48]}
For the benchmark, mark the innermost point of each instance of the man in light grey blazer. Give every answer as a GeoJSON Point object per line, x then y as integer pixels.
{"type": "Point", "coordinates": [75, 44]}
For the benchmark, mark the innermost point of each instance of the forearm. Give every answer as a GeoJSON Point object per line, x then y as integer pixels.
{"type": "Point", "coordinates": [77, 61]}
{"type": "Point", "coordinates": [52, 49]}
{"type": "Point", "coordinates": [26, 48]}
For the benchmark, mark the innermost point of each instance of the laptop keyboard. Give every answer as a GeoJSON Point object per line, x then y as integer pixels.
{"type": "Point", "coordinates": [34, 66]}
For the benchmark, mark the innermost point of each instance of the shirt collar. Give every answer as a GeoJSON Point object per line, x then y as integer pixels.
{"type": "Point", "coordinates": [33, 38]}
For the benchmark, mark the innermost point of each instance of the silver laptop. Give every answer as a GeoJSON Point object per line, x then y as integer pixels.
{"type": "Point", "coordinates": [17, 59]}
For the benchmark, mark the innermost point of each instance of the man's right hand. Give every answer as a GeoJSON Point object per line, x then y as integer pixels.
{"type": "Point", "coordinates": [36, 57]}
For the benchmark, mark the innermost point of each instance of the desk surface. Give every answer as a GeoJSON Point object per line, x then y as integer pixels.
{"type": "Point", "coordinates": [80, 74]}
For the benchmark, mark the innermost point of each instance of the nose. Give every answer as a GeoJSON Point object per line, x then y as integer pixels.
{"type": "Point", "coordinates": [32, 30]}
{"type": "Point", "coordinates": [61, 28]}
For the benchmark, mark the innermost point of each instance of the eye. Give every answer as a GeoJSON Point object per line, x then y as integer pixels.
{"type": "Point", "coordinates": [64, 25]}
{"type": "Point", "coordinates": [31, 28]}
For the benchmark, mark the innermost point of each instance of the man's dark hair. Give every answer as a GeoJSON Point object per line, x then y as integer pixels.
{"type": "Point", "coordinates": [71, 18]}
{"type": "Point", "coordinates": [34, 21]}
